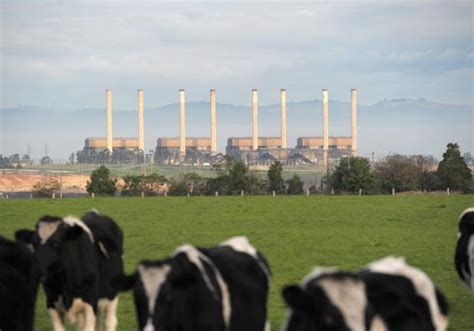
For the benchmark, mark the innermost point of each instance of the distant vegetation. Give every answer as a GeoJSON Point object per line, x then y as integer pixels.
{"type": "Point", "coordinates": [394, 173]}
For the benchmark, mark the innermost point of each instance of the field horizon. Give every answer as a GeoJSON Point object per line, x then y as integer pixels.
{"type": "Point", "coordinates": [295, 233]}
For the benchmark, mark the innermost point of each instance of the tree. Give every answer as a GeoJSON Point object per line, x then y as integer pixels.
{"type": "Point", "coordinates": [238, 180]}
{"type": "Point", "coordinates": [150, 185]}
{"type": "Point", "coordinates": [46, 160]}
{"type": "Point", "coordinates": [101, 182]}
{"type": "Point", "coordinates": [453, 171]}
{"type": "Point", "coordinates": [352, 174]}
{"type": "Point", "coordinates": [295, 185]}
{"type": "Point", "coordinates": [275, 178]}
{"type": "Point", "coordinates": [71, 158]}
{"type": "Point", "coordinates": [188, 183]}
{"type": "Point", "coordinates": [25, 159]}
{"type": "Point", "coordinates": [45, 189]}
{"type": "Point", "coordinates": [397, 171]}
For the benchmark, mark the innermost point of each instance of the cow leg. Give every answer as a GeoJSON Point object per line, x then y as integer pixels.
{"type": "Point", "coordinates": [56, 319]}
{"type": "Point", "coordinates": [89, 318]}
{"type": "Point", "coordinates": [111, 315]}
{"type": "Point", "coordinates": [79, 321]}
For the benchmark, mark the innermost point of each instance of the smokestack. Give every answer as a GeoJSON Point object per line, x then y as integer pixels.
{"type": "Point", "coordinates": [213, 123]}
{"type": "Point", "coordinates": [283, 117]}
{"type": "Point", "coordinates": [182, 125]}
{"type": "Point", "coordinates": [325, 126]}
{"type": "Point", "coordinates": [354, 121]}
{"type": "Point", "coordinates": [141, 144]}
{"type": "Point", "coordinates": [108, 108]}
{"type": "Point", "coordinates": [254, 120]}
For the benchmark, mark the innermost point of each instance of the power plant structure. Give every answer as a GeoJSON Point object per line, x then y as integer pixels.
{"type": "Point", "coordinates": [253, 150]}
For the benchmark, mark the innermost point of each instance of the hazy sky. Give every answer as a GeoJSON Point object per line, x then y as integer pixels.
{"type": "Point", "coordinates": [66, 53]}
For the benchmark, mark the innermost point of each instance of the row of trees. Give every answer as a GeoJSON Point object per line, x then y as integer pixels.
{"type": "Point", "coordinates": [402, 173]}
{"type": "Point", "coordinates": [14, 161]}
{"type": "Point", "coordinates": [398, 172]}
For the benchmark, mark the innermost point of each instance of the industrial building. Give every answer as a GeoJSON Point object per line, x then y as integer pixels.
{"type": "Point", "coordinates": [191, 150]}
{"type": "Point", "coordinates": [254, 150]}
{"type": "Point", "coordinates": [257, 150]}
{"type": "Point", "coordinates": [115, 150]}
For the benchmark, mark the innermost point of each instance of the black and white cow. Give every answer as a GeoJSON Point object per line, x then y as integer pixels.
{"type": "Point", "coordinates": [212, 289]}
{"type": "Point", "coordinates": [77, 259]}
{"type": "Point", "coordinates": [464, 258]}
{"type": "Point", "coordinates": [387, 295]}
{"type": "Point", "coordinates": [19, 280]}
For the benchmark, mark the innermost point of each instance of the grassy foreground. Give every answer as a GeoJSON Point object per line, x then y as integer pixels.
{"type": "Point", "coordinates": [295, 233]}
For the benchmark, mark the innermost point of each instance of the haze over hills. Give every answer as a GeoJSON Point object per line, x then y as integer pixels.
{"type": "Point", "coordinates": [408, 126]}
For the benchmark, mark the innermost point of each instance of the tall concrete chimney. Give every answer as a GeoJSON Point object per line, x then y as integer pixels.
{"type": "Point", "coordinates": [182, 125]}
{"type": "Point", "coordinates": [213, 123]}
{"type": "Point", "coordinates": [354, 120]}
{"type": "Point", "coordinates": [254, 120]}
{"type": "Point", "coordinates": [283, 117]}
{"type": "Point", "coordinates": [325, 127]}
{"type": "Point", "coordinates": [108, 108]}
{"type": "Point", "coordinates": [141, 144]}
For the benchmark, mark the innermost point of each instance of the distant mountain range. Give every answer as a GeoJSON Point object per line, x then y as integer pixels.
{"type": "Point", "coordinates": [408, 126]}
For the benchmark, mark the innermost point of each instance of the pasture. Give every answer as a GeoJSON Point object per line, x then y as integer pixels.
{"type": "Point", "coordinates": [294, 232]}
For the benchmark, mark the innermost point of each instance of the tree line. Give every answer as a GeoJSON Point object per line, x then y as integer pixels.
{"type": "Point", "coordinates": [351, 175]}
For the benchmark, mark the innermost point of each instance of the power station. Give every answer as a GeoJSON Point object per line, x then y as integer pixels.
{"type": "Point", "coordinates": [254, 150]}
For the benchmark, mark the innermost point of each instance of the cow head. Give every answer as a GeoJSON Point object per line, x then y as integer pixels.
{"type": "Point", "coordinates": [333, 301]}
{"type": "Point", "coordinates": [47, 239]}
{"type": "Point", "coordinates": [162, 292]}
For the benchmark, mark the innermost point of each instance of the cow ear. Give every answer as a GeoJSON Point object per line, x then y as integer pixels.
{"type": "Point", "coordinates": [296, 298]}
{"type": "Point", "coordinates": [183, 272]}
{"type": "Point", "coordinates": [123, 282]}
{"type": "Point", "coordinates": [25, 236]}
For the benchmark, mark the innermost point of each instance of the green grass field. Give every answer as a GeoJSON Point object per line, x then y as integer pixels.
{"type": "Point", "coordinates": [295, 233]}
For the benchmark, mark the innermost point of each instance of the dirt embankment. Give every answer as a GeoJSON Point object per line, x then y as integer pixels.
{"type": "Point", "coordinates": [23, 182]}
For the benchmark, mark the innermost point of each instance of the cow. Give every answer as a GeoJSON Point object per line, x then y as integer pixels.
{"type": "Point", "coordinates": [77, 259]}
{"type": "Point", "coordinates": [464, 256]}
{"type": "Point", "coordinates": [19, 280]}
{"type": "Point", "coordinates": [386, 295]}
{"type": "Point", "coordinates": [212, 289]}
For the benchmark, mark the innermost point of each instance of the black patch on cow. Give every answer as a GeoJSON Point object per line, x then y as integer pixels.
{"type": "Point", "coordinates": [19, 279]}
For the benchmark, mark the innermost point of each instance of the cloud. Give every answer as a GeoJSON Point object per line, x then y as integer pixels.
{"type": "Point", "coordinates": [81, 48]}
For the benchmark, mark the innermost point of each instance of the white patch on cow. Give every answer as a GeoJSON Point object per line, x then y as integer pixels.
{"type": "Point", "coordinates": [468, 210]}
{"type": "Point", "coordinates": [149, 325]}
{"type": "Point", "coordinates": [378, 324]}
{"type": "Point", "coordinates": [317, 272]}
{"type": "Point", "coordinates": [95, 211]}
{"type": "Point", "coordinates": [348, 295]}
{"type": "Point", "coordinates": [152, 279]}
{"type": "Point", "coordinates": [74, 221]}
{"type": "Point", "coordinates": [422, 283]}
{"type": "Point", "coordinates": [196, 257]}
{"type": "Point", "coordinates": [56, 320]}
{"type": "Point", "coordinates": [103, 249]}
{"type": "Point", "coordinates": [284, 326]}
{"type": "Point", "coordinates": [267, 327]}
{"type": "Point", "coordinates": [470, 253]}
{"type": "Point", "coordinates": [47, 229]}
{"type": "Point", "coordinates": [242, 244]}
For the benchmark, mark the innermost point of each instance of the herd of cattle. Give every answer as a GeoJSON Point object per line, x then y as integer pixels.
{"type": "Point", "coordinates": [79, 263]}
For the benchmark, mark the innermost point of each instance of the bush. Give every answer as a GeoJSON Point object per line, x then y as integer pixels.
{"type": "Point", "coordinates": [189, 183]}
{"type": "Point", "coordinates": [275, 178]}
{"type": "Point", "coordinates": [150, 185]}
{"type": "Point", "coordinates": [101, 182]}
{"type": "Point", "coordinates": [399, 172]}
{"type": "Point", "coordinates": [352, 174]}
{"type": "Point", "coordinates": [295, 185]}
{"type": "Point", "coordinates": [47, 188]}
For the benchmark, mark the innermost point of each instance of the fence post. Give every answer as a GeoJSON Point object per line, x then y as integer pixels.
{"type": "Point", "coordinates": [273, 193]}
{"type": "Point", "coordinates": [307, 192]}
{"type": "Point", "coordinates": [332, 191]}
{"type": "Point", "coordinates": [447, 191]}
{"type": "Point", "coordinates": [31, 195]}
{"type": "Point", "coordinates": [60, 194]}
{"type": "Point", "coordinates": [217, 194]}
{"type": "Point", "coordinates": [188, 195]}
{"type": "Point", "coordinates": [241, 193]}
{"type": "Point", "coordinates": [54, 195]}
{"type": "Point", "coordinates": [393, 190]}
{"type": "Point", "coordinates": [6, 196]}
{"type": "Point", "coordinates": [360, 192]}
{"type": "Point", "coordinates": [166, 193]}
{"type": "Point", "coordinates": [93, 195]}
{"type": "Point", "coordinates": [143, 195]}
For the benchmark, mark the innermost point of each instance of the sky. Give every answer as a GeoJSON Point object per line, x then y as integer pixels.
{"type": "Point", "coordinates": [64, 54]}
